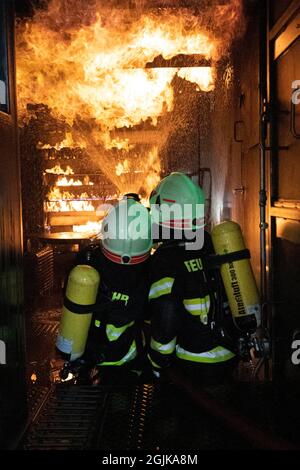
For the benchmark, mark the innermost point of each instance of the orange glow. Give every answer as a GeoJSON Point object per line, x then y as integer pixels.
{"type": "Point", "coordinates": [63, 181]}
{"type": "Point", "coordinates": [89, 227]}
{"type": "Point", "coordinates": [140, 177]}
{"type": "Point", "coordinates": [68, 182]}
{"type": "Point", "coordinates": [66, 143]}
{"type": "Point", "coordinates": [64, 201]}
{"type": "Point", "coordinates": [97, 70]}
{"type": "Point", "coordinates": [122, 168]}
{"type": "Point", "coordinates": [57, 170]}
{"type": "Point", "coordinates": [91, 65]}
{"type": "Point", "coordinates": [202, 76]}
{"type": "Point", "coordinates": [33, 378]}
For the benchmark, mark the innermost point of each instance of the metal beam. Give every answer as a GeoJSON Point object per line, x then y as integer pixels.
{"type": "Point", "coordinates": [284, 19]}
{"type": "Point", "coordinates": [285, 213]}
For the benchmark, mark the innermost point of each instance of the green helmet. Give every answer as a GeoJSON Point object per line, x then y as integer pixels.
{"type": "Point", "coordinates": [178, 203]}
{"type": "Point", "coordinates": [126, 233]}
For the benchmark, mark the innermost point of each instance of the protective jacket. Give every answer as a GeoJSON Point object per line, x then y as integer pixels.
{"type": "Point", "coordinates": [183, 302]}
{"type": "Point", "coordinates": [115, 335]}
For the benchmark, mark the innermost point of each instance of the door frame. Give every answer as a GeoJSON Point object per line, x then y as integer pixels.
{"type": "Point", "coordinates": [279, 38]}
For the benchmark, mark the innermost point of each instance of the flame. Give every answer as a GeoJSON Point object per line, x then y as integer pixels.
{"type": "Point", "coordinates": [153, 170]}
{"type": "Point", "coordinates": [202, 76]}
{"type": "Point", "coordinates": [81, 71]}
{"type": "Point", "coordinates": [122, 168]}
{"type": "Point", "coordinates": [65, 201]}
{"type": "Point", "coordinates": [91, 65]}
{"type": "Point", "coordinates": [68, 142]}
{"type": "Point", "coordinates": [149, 173]}
{"type": "Point", "coordinates": [63, 181]}
{"type": "Point", "coordinates": [120, 144]}
{"type": "Point", "coordinates": [33, 377]}
{"type": "Point", "coordinates": [57, 170]}
{"type": "Point", "coordinates": [89, 227]}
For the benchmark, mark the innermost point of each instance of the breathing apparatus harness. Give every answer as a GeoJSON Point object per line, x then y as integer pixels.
{"type": "Point", "coordinates": [241, 342]}
{"type": "Point", "coordinates": [244, 341]}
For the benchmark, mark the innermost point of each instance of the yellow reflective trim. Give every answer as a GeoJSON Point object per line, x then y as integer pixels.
{"type": "Point", "coordinates": [198, 307]}
{"type": "Point", "coordinates": [161, 287]}
{"type": "Point", "coordinates": [114, 332]}
{"type": "Point", "coordinates": [153, 363]}
{"type": "Point", "coordinates": [132, 353]}
{"type": "Point", "coordinates": [200, 303]}
{"type": "Point", "coordinates": [167, 348]}
{"type": "Point", "coordinates": [97, 323]}
{"type": "Point", "coordinates": [215, 355]}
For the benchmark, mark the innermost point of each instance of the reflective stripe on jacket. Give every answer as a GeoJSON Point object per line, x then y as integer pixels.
{"type": "Point", "coordinates": [214, 356]}
{"type": "Point", "coordinates": [131, 354]}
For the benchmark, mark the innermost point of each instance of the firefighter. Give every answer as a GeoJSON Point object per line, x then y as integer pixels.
{"type": "Point", "coordinates": [115, 339]}
{"type": "Point", "coordinates": [184, 293]}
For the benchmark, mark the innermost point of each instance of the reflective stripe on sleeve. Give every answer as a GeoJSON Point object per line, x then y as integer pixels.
{"type": "Point", "coordinates": [218, 354]}
{"type": "Point", "coordinates": [161, 287]}
{"type": "Point", "coordinates": [167, 348]}
{"type": "Point", "coordinates": [198, 307]}
{"type": "Point", "coordinates": [113, 332]}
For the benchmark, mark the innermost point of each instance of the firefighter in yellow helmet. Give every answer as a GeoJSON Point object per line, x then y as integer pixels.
{"type": "Point", "coordinates": [185, 294]}
{"type": "Point", "coordinates": [121, 261]}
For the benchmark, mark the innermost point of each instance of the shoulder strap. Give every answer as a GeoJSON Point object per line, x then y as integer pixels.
{"type": "Point", "coordinates": [214, 261]}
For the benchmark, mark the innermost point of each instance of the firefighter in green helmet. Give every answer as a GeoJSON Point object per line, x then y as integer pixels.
{"type": "Point", "coordinates": [184, 295]}
{"type": "Point", "coordinates": [115, 340]}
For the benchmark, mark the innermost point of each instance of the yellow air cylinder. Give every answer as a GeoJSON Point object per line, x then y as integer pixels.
{"type": "Point", "coordinates": [82, 290]}
{"type": "Point", "coordinates": [237, 276]}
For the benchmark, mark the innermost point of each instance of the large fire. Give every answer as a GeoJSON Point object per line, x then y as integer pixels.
{"type": "Point", "coordinates": [65, 201]}
{"type": "Point", "coordinates": [91, 65]}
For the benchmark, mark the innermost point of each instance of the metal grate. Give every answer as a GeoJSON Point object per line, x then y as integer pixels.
{"type": "Point", "coordinates": [35, 397]}
{"type": "Point", "coordinates": [128, 419]}
{"type": "Point", "coordinates": [74, 417]}
{"type": "Point", "coordinates": [45, 328]}
{"type": "Point", "coordinates": [140, 419]}
{"type": "Point", "coordinates": [68, 419]}
{"type": "Point", "coordinates": [44, 270]}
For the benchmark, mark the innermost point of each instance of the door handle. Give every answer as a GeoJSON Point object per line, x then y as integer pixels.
{"type": "Point", "coordinates": [2, 352]}
{"type": "Point", "coordinates": [239, 190]}
{"type": "Point", "coordinates": [294, 100]}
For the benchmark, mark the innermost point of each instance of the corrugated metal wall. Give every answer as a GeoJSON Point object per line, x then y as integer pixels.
{"type": "Point", "coordinates": [12, 381]}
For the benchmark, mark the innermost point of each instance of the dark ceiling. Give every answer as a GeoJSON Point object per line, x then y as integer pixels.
{"type": "Point", "coordinates": [26, 7]}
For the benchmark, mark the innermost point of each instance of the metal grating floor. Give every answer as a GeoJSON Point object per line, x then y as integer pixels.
{"type": "Point", "coordinates": [75, 417]}
{"type": "Point", "coordinates": [128, 418]}
{"type": "Point", "coordinates": [45, 328]}
{"type": "Point", "coordinates": [138, 417]}
{"type": "Point", "coordinates": [68, 420]}
{"type": "Point", "coordinates": [132, 415]}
